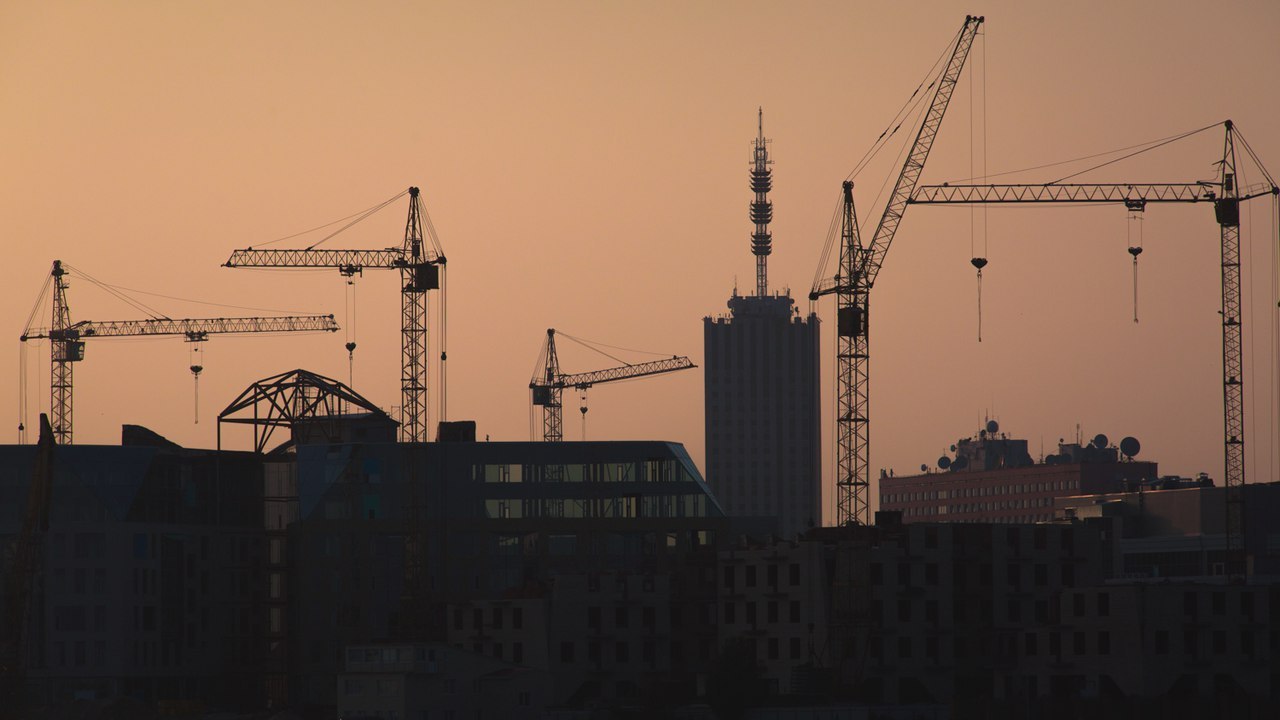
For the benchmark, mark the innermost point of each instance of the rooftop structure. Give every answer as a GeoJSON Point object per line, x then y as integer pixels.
{"type": "Point", "coordinates": [993, 478]}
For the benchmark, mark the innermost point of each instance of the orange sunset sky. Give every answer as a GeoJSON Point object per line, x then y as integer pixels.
{"type": "Point", "coordinates": [585, 166]}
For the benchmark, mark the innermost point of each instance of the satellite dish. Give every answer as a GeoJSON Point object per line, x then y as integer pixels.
{"type": "Point", "coordinates": [993, 427]}
{"type": "Point", "coordinates": [944, 462]}
{"type": "Point", "coordinates": [1050, 459]}
{"type": "Point", "coordinates": [1130, 446]}
{"type": "Point", "coordinates": [960, 463]}
{"type": "Point", "coordinates": [924, 467]}
{"type": "Point", "coordinates": [953, 448]}
{"type": "Point", "coordinates": [1100, 441]}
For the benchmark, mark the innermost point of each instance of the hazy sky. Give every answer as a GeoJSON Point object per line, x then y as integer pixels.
{"type": "Point", "coordinates": [585, 165]}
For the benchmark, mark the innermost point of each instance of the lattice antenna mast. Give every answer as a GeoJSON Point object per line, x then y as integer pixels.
{"type": "Point", "coordinates": [761, 208]}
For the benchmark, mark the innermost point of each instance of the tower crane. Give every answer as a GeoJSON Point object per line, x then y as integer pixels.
{"type": "Point", "coordinates": [856, 275]}
{"type": "Point", "coordinates": [66, 341]}
{"type": "Point", "coordinates": [548, 384]}
{"type": "Point", "coordinates": [420, 271]}
{"type": "Point", "coordinates": [1226, 196]}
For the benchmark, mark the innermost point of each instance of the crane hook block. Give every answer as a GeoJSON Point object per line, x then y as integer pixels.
{"type": "Point", "coordinates": [1135, 252]}
{"type": "Point", "coordinates": [979, 262]}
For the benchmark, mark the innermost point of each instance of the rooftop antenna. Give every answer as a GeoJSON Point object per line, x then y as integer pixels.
{"type": "Point", "coordinates": [761, 208]}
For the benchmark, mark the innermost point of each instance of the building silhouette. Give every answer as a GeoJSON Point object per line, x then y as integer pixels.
{"type": "Point", "coordinates": [763, 435]}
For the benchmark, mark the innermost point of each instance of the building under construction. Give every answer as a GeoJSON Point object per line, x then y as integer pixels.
{"type": "Point", "coordinates": [762, 412]}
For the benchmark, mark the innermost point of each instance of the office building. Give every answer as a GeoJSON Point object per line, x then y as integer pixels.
{"type": "Point", "coordinates": [763, 435]}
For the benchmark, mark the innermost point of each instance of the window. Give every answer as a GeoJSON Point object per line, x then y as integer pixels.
{"type": "Point", "coordinates": [497, 618]}
{"type": "Point", "coordinates": [621, 617]}
{"type": "Point", "coordinates": [1104, 643]}
{"type": "Point", "coordinates": [729, 613]}
{"type": "Point", "coordinates": [794, 574]}
{"type": "Point", "coordinates": [773, 611]}
{"type": "Point", "coordinates": [904, 647]}
{"type": "Point", "coordinates": [773, 575]}
{"type": "Point", "coordinates": [1029, 643]}
{"type": "Point", "coordinates": [1078, 643]}
{"type": "Point", "coordinates": [1162, 642]}
{"type": "Point", "coordinates": [1104, 604]}
{"type": "Point", "coordinates": [751, 576]}
{"type": "Point", "coordinates": [622, 652]}
{"type": "Point", "coordinates": [1077, 604]}
{"type": "Point", "coordinates": [593, 618]}
{"type": "Point", "coordinates": [517, 618]}
{"type": "Point", "coordinates": [566, 652]}
{"type": "Point", "coordinates": [728, 577]}
{"type": "Point", "coordinates": [751, 613]}
{"type": "Point", "coordinates": [773, 648]}
{"type": "Point", "coordinates": [795, 648]}
{"type": "Point", "coordinates": [648, 617]}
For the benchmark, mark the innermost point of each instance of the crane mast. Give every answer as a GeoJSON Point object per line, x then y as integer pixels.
{"type": "Point", "coordinates": [420, 272]}
{"type": "Point", "coordinates": [66, 341]}
{"type": "Point", "coordinates": [1226, 197]}
{"type": "Point", "coordinates": [852, 285]}
{"type": "Point", "coordinates": [548, 384]}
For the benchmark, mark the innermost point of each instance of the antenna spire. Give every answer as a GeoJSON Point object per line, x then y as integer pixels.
{"type": "Point", "coordinates": [761, 208]}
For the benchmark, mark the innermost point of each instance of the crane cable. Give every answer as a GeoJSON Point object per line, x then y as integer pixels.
{"type": "Point", "coordinates": [978, 261]}
{"type": "Point", "coordinates": [444, 343]}
{"type": "Point", "coordinates": [135, 304]}
{"type": "Point", "coordinates": [349, 309]}
{"type": "Point", "coordinates": [904, 113]}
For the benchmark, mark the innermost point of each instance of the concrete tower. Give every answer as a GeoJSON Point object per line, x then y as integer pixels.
{"type": "Point", "coordinates": [762, 394]}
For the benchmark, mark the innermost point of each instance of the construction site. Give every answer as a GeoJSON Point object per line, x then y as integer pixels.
{"type": "Point", "coordinates": [275, 511]}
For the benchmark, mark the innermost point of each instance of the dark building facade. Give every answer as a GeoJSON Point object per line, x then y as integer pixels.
{"type": "Point", "coordinates": [763, 429]}
{"type": "Point", "coordinates": [151, 585]}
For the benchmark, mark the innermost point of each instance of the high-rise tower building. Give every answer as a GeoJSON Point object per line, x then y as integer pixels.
{"type": "Point", "coordinates": [762, 410]}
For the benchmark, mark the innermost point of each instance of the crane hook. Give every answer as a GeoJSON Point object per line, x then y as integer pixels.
{"type": "Point", "coordinates": [979, 263]}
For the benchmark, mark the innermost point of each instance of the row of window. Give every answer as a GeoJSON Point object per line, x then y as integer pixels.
{"type": "Point", "coordinates": [752, 618]}
{"type": "Point", "coordinates": [751, 574]}
{"type": "Point", "coordinates": [978, 491]}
